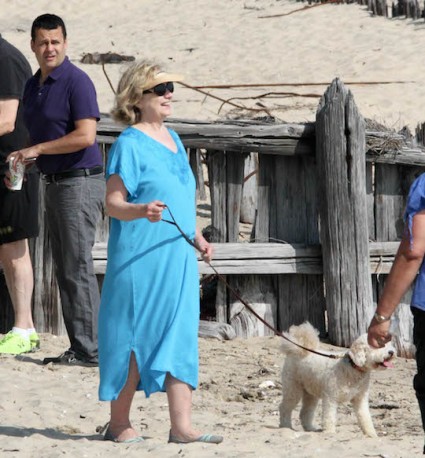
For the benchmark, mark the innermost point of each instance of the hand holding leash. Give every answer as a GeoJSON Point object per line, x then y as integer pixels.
{"type": "Point", "coordinates": [154, 211]}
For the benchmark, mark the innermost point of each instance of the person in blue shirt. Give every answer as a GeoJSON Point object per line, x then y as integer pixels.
{"type": "Point", "coordinates": [149, 312]}
{"type": "Point", "coordinates": [408, 268]}
{"type": "Point", "coordinates": [61, 112]}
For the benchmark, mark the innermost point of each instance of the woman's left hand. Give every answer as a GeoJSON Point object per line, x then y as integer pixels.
{"type": "Point", "coordinates": [205, 247]}
{"type": "Point", "coordinates": [206, 251]}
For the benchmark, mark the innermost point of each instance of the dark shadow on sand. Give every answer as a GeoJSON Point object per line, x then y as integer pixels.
{"type": "Point", "coordinates": [50, 433]}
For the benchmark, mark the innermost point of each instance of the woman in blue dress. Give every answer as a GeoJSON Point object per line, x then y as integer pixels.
{"type": "Point", "coordinates": [149, 314]}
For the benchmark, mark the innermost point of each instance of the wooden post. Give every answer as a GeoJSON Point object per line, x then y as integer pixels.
{"type": "Point", "coordinates": [47, 308]}
{"type": "Point", "coordinates": [217, 180]}
{"type": "Point", "coordinates": [340, 152]}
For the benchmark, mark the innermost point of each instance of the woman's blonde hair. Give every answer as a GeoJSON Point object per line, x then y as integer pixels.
{"type": "Point", "coordinates": [130, 91]}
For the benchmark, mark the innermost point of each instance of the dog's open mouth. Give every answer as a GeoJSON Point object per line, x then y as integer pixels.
{"type": "Point", "coordinates": [387, 363]}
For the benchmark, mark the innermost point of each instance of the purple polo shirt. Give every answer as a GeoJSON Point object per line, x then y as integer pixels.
{"type": "Point", "coordinates": [50, 111]}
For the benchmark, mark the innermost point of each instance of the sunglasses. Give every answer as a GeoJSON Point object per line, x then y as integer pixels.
{"type": "Point", "coordinates": [161, 89]}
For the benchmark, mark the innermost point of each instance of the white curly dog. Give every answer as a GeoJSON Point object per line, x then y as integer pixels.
{"type": "Point", "coordinates": [311, 377]}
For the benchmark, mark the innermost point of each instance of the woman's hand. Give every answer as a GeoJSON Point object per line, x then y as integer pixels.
{"type": "Point", "coordinates": [153, 211]}
{"type": "Point", "coordinates": [205, 247]}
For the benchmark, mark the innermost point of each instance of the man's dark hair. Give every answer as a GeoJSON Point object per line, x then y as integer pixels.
{"type": "Point", "coordinates": [47, 22]}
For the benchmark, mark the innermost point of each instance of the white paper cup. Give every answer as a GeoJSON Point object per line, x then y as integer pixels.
{"type": "Point", "coordinates": [16, 176]}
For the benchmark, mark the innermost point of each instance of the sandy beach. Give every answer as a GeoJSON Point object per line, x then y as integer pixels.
{"type": "Point", "coordinates": [50, 411]}
{"type": "Point", "coordinates": [234, 42]}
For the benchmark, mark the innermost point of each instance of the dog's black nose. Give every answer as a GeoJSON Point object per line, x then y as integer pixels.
{"type": "Point", "coordinates": [391, 353]}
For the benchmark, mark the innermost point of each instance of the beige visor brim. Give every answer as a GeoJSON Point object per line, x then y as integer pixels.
{"type": "Point", "coordinates": [163, 77]}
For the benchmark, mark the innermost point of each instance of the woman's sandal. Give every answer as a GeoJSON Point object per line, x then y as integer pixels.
{"type": "Point", "coordinates": [110, 437]}
{"type": "Point", "coordinates": [206, 438]}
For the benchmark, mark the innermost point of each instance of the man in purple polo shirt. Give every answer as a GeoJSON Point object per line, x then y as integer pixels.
{"type": "Point", "coordinates": [61, 112]}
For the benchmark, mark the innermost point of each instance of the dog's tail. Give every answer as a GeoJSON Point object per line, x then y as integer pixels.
{"type": "Point", "coordinates": [305, 335]}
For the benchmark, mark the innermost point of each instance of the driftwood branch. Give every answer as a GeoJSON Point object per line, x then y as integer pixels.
{"type": "Point", "coordinates": [269, 95]}
{"type": "Point", "coordinates": [224, 101]}
{"type": "Point", "coordinates": [300, 9]}
{"type": "Point", "coordinates": [255, 85]}
{"type": "Point", "coordinates": [107, 77]}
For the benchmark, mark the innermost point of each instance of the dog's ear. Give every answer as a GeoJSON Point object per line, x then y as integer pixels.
{"type": "Point", "coordinates": [357, 353]}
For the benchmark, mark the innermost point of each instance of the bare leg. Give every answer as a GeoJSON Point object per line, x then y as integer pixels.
{"type": "Point", "coordinates": [180, 405]}
{"type": "Point", "coordinates": [120, 425]}
{"type": "Point", "coordinates": [17, 267]}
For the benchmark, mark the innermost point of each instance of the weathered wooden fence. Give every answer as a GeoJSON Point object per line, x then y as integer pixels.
{"type": "Point", "coordinates": [412, 9]}
{"type": "Point", "coordinates": [330, 200]}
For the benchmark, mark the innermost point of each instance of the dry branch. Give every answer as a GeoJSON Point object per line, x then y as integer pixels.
{"type": "Point", "coordinates": [255, 85]}
{"type": "Point", "coordinates": [241, 107]}
{"type": "Point", "coordinates": [107, 77]}
{"type": "Point", "coordinates": [270, 95]}
{"type": "Point", "coordinates": [300, 9]}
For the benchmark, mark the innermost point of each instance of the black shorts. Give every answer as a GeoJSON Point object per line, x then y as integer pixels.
{"type": "Point", "coordinates": [19, 210]}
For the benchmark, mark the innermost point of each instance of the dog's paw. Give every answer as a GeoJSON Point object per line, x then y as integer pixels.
{"type": "Point", "coordinates": [285, 424]}
{"type": "Point", "coordinates": [311, 428]}
{"type": "Point", "coordinates": [371, 433]}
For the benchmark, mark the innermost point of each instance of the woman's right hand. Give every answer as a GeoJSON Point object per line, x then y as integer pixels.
{"type": "Point", "coordinates": [153, 211]}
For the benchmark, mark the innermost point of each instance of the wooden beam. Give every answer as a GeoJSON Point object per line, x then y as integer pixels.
{"type": "Point", "coordinates": [268, 138]}
{"type": "Point", "coordinates": [271, 258]}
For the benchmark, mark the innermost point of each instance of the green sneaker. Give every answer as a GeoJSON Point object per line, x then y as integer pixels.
{"type": "Point", "coordinates": [14, 344]}
{"type": "Point", "coordinates": [35, 342]}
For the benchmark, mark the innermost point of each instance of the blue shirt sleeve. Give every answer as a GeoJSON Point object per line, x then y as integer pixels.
{"type": "Point", "coordinates": [122, 160]}
{"type": "Point", "coordinates": [415, 202]}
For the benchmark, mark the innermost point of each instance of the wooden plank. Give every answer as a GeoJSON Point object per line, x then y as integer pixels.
{"type": "Point", "coordinates": [264, 202]}
{"type": "Point", "coordinates": [389, 203]}
{"type": "Point", "coordinates": [277, 139]}
{"type": "Point", "coordinates": [269, 250]}
{"type": "Point", "coordinates": [198, 172]}
{"type": "Point", "coordinates": [271, 258]}
{"type": "Point", "coordinates": [407, 156]}
{"type": "Point", "coordinates": [217, 179]}
{"type": "Point", "coordinates": [249, 189]}
{"type": "Point", "coordinates": [240, 136]}
{"type": "Point", "coordinates": [295, 221]}
{"type": "Point", "coordinates": [391, 188]}
{"type": "Point", "coordinates": [234, 179]}
{"type": "Point", "coordinates": [370, 200]}
{"type": "Point", "coordinates": [262, 289]}
{"type": "Point", "coordinates": [47, 310]}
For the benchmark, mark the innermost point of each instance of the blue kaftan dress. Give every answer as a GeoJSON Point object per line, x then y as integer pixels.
{"type": "Point", "coordinates": [150, 294]}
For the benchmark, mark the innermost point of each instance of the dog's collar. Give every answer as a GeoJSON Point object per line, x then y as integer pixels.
{"type": "Point", "coordinates": [353, 364]}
